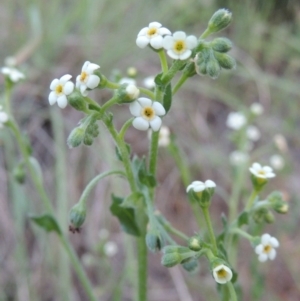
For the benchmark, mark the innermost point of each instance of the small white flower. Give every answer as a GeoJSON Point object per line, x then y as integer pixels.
{"type": "Point", "coordinates": [253, 133]}
{"type": "Point", "coordinates": [281, 143]}
{"type": "Point", "coordinates": [266, 249]}
{"type": "Point", "coordinates": [110, 249]}
{"type": "Point", "coordinates": [132, 91]}
{"type": "Point", "coordinates": [179, 46]}
{"type": "Point", "coordinates": [127, 80]}
{"type": "Point", "coordinates": [236, 120]}
{"type": "Point", "coordinates": [87, 79]}
{"type": "Point", "coordinates": [152, 34]}
{"type": "Point", "coordinates": [147, 114]}
{"type": "Point", "coordinates": [277, 162]}
{"type": "Point", "coordinates": [238, 157]}
{"type": "Point", "coordinates": [222, 274]}
{"type": "Point", "coordinates": [3, 117]}
{"type": "Point", "coordinates": [199, 186]}
{"type": "Point", "coordinates": [60, 89]}
{"type": "Point", "coordinates": [263, 172]}
{"type": "Point", "coordinates": [164, 136]}
{"type": "Point", "coordinates": [14, 74]}
{"type": "Point", "coordinates": [256, 109]}
{"type": "Point", "coordinates": [149, 82]}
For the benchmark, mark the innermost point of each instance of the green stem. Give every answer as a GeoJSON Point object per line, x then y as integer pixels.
{"type": "Point", "coordinates": [112, 85]}
{"type": "Point", "coordinates": [232, 292]}
{"type": "Point", "coordinates": [205, 34]}
{"type": "Point", "coordinates": [93, 102]}
{"type": "Point", "coordinates": [142, 268]}
{"type": "Point", "coordinates": [153, 153]}
{"type": "Point", "coordinates": [163, 61]}
{"type": "Point", "coordinates": [251, 199]}
{"type": "Point", "coordinates": [180, 82]}
{"type": "Point", "coordinates": [7, 96]}
{"type": "Point", "coordinates": [211, 234]}
{"type": "Point", "coordinates": [176, 232]}
{"type": "Point", "coordinates": [125, 127]}
{"type": "Point", "coordinates": [110, 102]}
{"type": "Point", "coordinates": [147, 92]}
{"type": "Point", "coordinates": [167, 77]}
{"type": "Point", "coordinates": [242, 233]}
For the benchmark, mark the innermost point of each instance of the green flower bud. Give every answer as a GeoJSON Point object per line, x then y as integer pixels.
{"type": "Point", "coordinates": [195, 244]}
{"type": "Point", "coordinates": [225, 61]}
{"type": "Point", "coordinates": [88, 140]}
{"type": "Point", "coordinates": [283, 208]}
{"type": "Point", "coordinates": [93, 129]}
{"type": "Point", "coordinates": [221, 45]}
{"type": "Point", "coordinates": [175, 249]}
{"type": "Point", "coordinates": [127, 93]}
{"type": "Point", "coordinates": [213, 68]}
{"type": "Point", "coordinates": [19, 173]}
{"type": "Point", "coordinates": [219, 20]}
{"type": "Point", "coordinates": [76, 137]}
{"type": "Point", "coordinates": [259, 215]}
{"type": "Point", "coordinates": [77, 101]}
{"type": "Point", "coordinates": [77, 215]}
{"type": "Point", "coordinates": [191, 266]}
{"type": "Point", "coordinates": [171, 259]}
{"type": "Point", "coordinates": [269, 217]}
{"type": "Point", "coordinates": [153, 240]}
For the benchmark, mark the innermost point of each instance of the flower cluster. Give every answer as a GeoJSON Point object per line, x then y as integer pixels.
{"type": "Point", "coordinates": [13, 74]}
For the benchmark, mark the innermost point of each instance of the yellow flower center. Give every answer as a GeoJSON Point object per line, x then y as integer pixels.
{"type": "Point", "coordinates": [179, 46]}
{"type": "Point", "coordinates": [152, 31]}
{"type": "Point", "coordinates": [222, 273]}
{"type": "Point", "coordinates": [83, 76]}
{"type": "Point", "coordinates": [267, 248]}
{"type": "Point", "coordinates": [262, 172]}
{"type": "Point", "coordinates": [148, 113]}
{"type": "Point", "coordinates": [59, 89]}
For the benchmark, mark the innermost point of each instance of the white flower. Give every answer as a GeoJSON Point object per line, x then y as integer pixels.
{"type": "Point", "coordinates": [281, 143]}
{"type": "Point", "coordinates": [3, 117]}
{"type": "Point", "coordinates": [199, 186]}
{"type": "Point", "coordinates": [164, 136]}
{"type": "Point", "coordinates": [266, 249]}
{"type": "Point", "coordinates": [222, 273]}
{"type": "Point", "coordinates": [152, 34]}
{"type": "Point", "coordinates": [263, 172]}
{"type": "Point", "coordinates": [87, 80]}
{"type": "Point", "coordinates": [179, 45]}
{"type": "Point", "coordinates": [256, 109]}
{"type": "Point", "coordinates": [238, 157]}
{"type": "Point", "coordinates": [14, 74]}
{"type": "Point", "coordinates": [236, 120]}
{"type": "Point", "coordinates": [149, 82]}
{"type": "Point", "coordinates": [127, 80]}
{"type": "Point", "coordinates": [132, 91]}
{"type": "Point", "coordinates": [147, 114]}
{"type": "Point", "coordinates": [253, 133]}
{"type": "Point", "coordinates": [277, 162]}
{"type": "Point", "coordinates": [60, 89]}
{"type": "Point", "coordinates": [110, 249]}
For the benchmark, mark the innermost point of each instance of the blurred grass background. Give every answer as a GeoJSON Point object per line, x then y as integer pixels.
{"type": "Point", "coordinates": [52, 38]}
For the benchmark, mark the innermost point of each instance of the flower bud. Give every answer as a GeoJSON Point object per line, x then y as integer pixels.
{"type": "Point", "coordinates": [213, 68]}
{"type": "Point", "coordinates": [225, 61]}
{"type": "Point", "coordinates": [171, 259]}
{"type": "Point", "coordinates": [221, 45]}
{"type": "Point", "coordinates": [77, 215]}
{"type": "Point", "coordinates": [284, 208]}
{"type": "Point", "coordinates": [153, 240]}
{"type": "Point", "coordinates": [191, 265]}
{"type": "Point", "coordinates": [77, 101]}
{"type": "Point", "coordinates": [269, 217]}
{"type": "Point", "coordinates": [219, 20]}
{"type": "Point", "coordinates": [19, 173]}
{"type": "Point", "coordinates": [127, 93]}
{"type": "Point", "coordinates": [195, 243]}
{"type": "Point", "coordinates": [88, 140]}
{"type": "Point", "coordinates": [76, 137]}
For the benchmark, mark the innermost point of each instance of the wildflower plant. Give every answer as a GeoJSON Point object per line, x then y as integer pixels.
{"type": "Point", "coordinates": [191, 56]}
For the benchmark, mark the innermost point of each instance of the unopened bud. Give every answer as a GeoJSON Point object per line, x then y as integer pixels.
{"type": "Point", "coordinates": [127, 93]}
{"type": "Point", "coordinates": [88, 140]}
{"type": "Point", "coordinates": [76, 137]}
{"type": "Point", "coordinates": [153, 240]}
{"type": "Point", "coordinates": [191, 265]}
{"type": "Point", "coordinates": [77, 215]}
{"type": "Point", "coordinates": [195, 243]}
{"type": "Point", "coordinates": [171, 259]}
{"type": "Point", "coordinates": [221, 45]}
{"type": "Point", "coordinates": [77, 101]}
{"type": "Point", "coordinates": [219, 20]}
{"type": "Point", "coordinates": [213, 68]}
{"type": "Point", "coordinates": [269, 217]}
{"type": "Point", "coordinates": [225, 61]}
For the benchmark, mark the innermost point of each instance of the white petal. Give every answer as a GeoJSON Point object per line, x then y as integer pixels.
{"type": "Point", "coordinates": [272, 254]}
{"type": "Point", "coordinates": [157, 42]}
{"type": "Point", "coordinates": [3, 117]}
{"type": "Point", "coordinates": [191, 186]}
{"type": "Point", "coordinates": [265, 239]}
{"type": "Point", "coordinates": [155, 123]}
{"type": "Point", "coordinates": [135, 108]}
{"type": "Point", "coordinates": [164, 31]}
{"type": "Point", "coordinates": [54, 83]}
{"type": "Point", "coordinates": [210, 184]}
{"type": "Point", "coordinates": [62, 101]}
{"type": "Point", "coordinates": [274, 242]}
{"type": "Point", "coordinates": [92, 67]}
{"type": "Point", "coordinates": [5, 70]}
{"type": "Point", "coordinates": [158, 108]}
{"type": "Point", "coordinates": [82, 89]}
{"type": "Point", "coordinates": [142, 41]}
{"type": "Point", "coordinates": [256, 166]}
{"type": "Point", "coordinates": [179, 35]}
{"type": "Point", "coordinates": [259, 249]}
{"type": "Point", "coordinates": [143, 31]}
{"type": "Point", "coordinates": [173, 55]}
{"type": "Point", "coordinates": [52, 98]}
{"type": "Point", "coordinates": [199, 188]}
{"type": "Point", "coordinates": [168, 42]}
{"type": "Point", "coordinates": [154, 24]}
{"type": "Point", "coordinates": [191, 42]}
{"type": "Point", "coordinates": [68, 88]}
{"type": "Point", "coordinates": [262, 257]}
{"type": "Point", "coordinates": [93, 81]}
{"type": "Point", "coordinates": [85, 65]}
{"type": "Point", "coordinates": [140, 124]}
{"type": "Point", "coordinates": [185, 55]}
{"type": "Point", "coordinates": [65, 78]}
{"type": "Point", "coordinates": [85, 93]}
{"type": "Point", "coordinates": [145, 102]}
{"type": "Point", "coordinates": [195, 183]}
{"type": "Point", "coordinates": [267, 169]}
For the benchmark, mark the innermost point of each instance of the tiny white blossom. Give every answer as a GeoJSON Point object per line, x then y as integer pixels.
{"type": "Point", "coordinates": [14, 74]}
{"type": "Point", "coordinates": [179, 46]}
{"type": "Point", "coordinates": [222, 274]}
{"type": "Point", "coordinates": [253, 133]}
{"type": "Point", "coordinates": [110, 249]}
{"type": "Point", "coordinates": [132, 91]}
{"type": "Point", "coordinates": [266, 249]}
{"type": "Point", "coordinates": [149, 82]}
{"type": "Point", "coordinates": [3, 117]}
{"type": "Point", "coordinates": [199, 186]}
{"type": "Point", "coordinates": [263, 172]}
{"type": "Point", "coordinates": [236, 120]}
{"type": "Point", "coordinates": [60, 89]}
{"type": "Point", "coordinates": [153, 35]}
{"type": "Point", "coordinates": [256, 109]}
{"type": "Point", "coordinates": [281, 143]}
{"type": "Point", "coordinates": [147, 114]}
{"type": "Point", "coordinates": [238, 157]}
{"type": "Point", "coordinates": [164, 136]}
{"type": "Point", "coordinates": [277, 162]}
{"type": "Point", "coordinates": [87, 79]}
{"type": "Point", "coordinates": [127, 80]}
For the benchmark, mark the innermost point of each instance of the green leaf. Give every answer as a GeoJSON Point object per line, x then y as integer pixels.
{"type": "Point", "coordinates": [167, 100]}
{"type": "Point", "coordinates": [133, 200]}
{"type": "Point", "coordinates": [159, 82]}
{"type": "Point", "coordinates": [243, 219]}
{"type": "Point", "coordinates": [47, 222]}
{"type": "Point", "coordinates": [126, 216]}
{"type": "Point", "coordinates": [118, 154]}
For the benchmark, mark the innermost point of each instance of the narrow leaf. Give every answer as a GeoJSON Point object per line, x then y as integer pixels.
{"type": "Point", "coordinates": [47, 222]}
